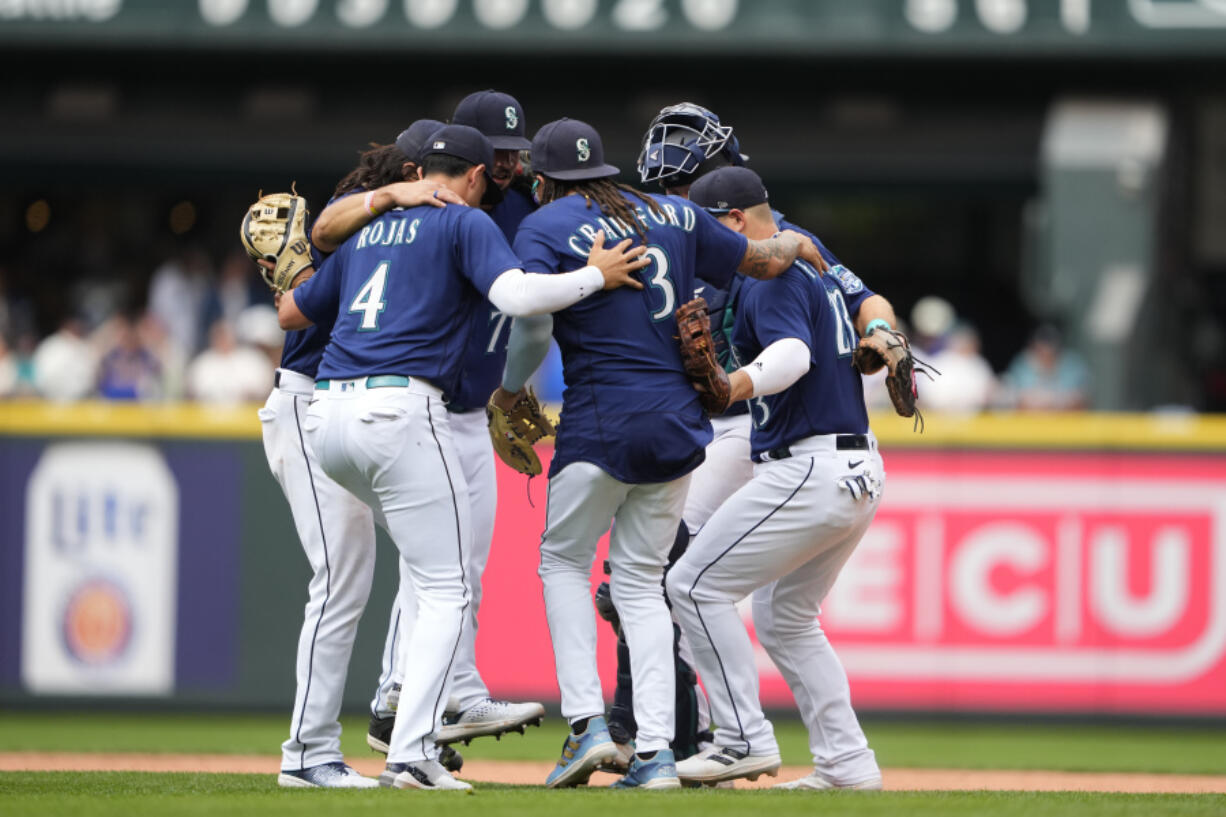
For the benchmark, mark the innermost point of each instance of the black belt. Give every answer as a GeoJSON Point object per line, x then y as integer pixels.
{"type": "Point", "coordinates": [276, 379]}
{"type": "Point", "coordinates": [842, 442]}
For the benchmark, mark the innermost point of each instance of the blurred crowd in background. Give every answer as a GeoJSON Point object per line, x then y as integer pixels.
{"type": "Point", "coordinates": [209, 333]}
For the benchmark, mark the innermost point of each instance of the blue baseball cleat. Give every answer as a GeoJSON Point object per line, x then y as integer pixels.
{"type": "Point", "coordinates": [658, 773]}
{"type": "Point", "coordinates": [581, 754]}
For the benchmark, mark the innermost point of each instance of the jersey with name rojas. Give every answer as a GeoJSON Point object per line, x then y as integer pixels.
{"type": "Point", "coordinates": [403, 290]}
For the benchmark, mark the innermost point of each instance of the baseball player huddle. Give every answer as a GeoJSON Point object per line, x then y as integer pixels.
{"type": "Point", "coordinates": [439, 272]}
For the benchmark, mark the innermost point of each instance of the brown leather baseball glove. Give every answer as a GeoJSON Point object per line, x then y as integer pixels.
{"type": "Point", "coordinates": [698, 357]}
{"type": "Point", "coordinates": [889, 348]}
{"type": "Point", "coordinates": [513, 432]}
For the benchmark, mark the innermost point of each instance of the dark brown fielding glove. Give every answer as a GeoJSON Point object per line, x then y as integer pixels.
{"type": "Point", "coordinates": [889, 348]}
{"type": "Point", "coordinates": [698, 357]}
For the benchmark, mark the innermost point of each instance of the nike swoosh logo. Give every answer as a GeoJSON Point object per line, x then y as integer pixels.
{"type": "Point", "coordinates": [851, 464]}
{"type": "Point", "coordinates": [698, 291]}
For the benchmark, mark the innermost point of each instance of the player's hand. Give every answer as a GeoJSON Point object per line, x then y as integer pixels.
{"type": "Point", "coordinates": [617, 263]}
{"type": "Point", "coordinates": [809, 251]}
{"type": "Point", "coordinates": [504, 399]}
{"type": "Point", "coordinates": [413, 194]}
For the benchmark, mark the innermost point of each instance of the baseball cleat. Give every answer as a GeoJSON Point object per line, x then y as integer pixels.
{"type": "Point", "coordinates": [819, 782]}
{"type": "Point", "coordinates": [620, 763]}
{"type": "Point", "coordinates": [718, 763]}
{"type": "Point", "coordinates": [379, 733]}
{"type": "Point", "coordinates": [379, 736]}
{"type": "Point", "coordinates": [334, 775]}
{"type": "Point", "coordinates": [581, 755]}
{"type": "Point", "coordinates": [421, 774]}
{"type": "Point", "coordinates": [660, 772]}
{"type": "Point", "coordinates": [489, 717]}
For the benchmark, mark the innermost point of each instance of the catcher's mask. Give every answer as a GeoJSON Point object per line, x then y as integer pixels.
{"type": "Point", "coordinates": [680, 139]}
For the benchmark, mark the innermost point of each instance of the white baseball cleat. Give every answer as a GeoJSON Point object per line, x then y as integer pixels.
{"type": "Point", "coordinates": [334, 775]}
{"type": "Point", "coordinates": [421, 774]}
{"type": "Point", "coordinates": [718, 763]}
{"type": "Point", "coordinates": [819, 782]}
{"type": "Point", "coordinates": [489, 717]}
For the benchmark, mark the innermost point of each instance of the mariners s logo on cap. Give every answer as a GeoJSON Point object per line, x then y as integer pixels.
{"type": "Point", "coordinates": [583, 150]}
{"type": "Point", "coordinates": [512, 117]}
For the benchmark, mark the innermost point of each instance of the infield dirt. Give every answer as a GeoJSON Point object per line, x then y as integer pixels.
{"type": "Point", "coordinates": [534, 772]}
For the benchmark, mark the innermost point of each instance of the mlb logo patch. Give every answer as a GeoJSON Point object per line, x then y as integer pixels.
{"type": "Point", "coordinates": [440, 145]}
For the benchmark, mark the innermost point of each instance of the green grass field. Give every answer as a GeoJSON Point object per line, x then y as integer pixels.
{"type": "Point", "coordinates": [937, 744]}
{"type": "Point", "coordinates": [127, 794]}
{"type": "Point", "coordinates": [1121, 748]}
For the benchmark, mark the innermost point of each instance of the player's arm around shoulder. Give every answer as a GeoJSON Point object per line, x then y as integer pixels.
{"type": "Point", "coordinates": [518, 293]}
{"type": "Point", "coordinates": [351, 212]}
{"type": "Point", "coordinates": [769, 258]}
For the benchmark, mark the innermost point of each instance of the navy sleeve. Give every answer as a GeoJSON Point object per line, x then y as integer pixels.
{"type": "Point", "coordinates": [536, 250]}
{"type": "Point", "coordinates": [482, 249]}
{"type": "Point", "coordinates": [719, 250]}
{"type": "Point", "coordinates": [781, 309]}
{"type": "Point", "coordinates": [318, 298]}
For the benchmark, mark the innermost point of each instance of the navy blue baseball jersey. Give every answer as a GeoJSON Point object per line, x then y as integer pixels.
{"type": "Point", "coordinates": [829, 398]}
{"type": "Point", "coordinates": [403, 290]}
{"type": "Point", "coordinates": [516, 205]}
{"type": "Point", "coordinates": [486, 355]}
{"type": "Point", "coordinates": [628, 407]}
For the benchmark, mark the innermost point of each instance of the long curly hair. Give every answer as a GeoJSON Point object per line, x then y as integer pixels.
{"type": "Point", "coordinates": [380, 165]}
{"type": "Point", "coordinates": [606, 194]}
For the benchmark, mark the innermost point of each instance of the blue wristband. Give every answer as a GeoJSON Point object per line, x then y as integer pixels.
{"type": "Point", "coordinates": [875, 324]}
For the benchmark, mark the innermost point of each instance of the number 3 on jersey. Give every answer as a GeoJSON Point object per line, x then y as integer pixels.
{"type": "Point", "coordinates": [369, 300]}
{"type": "Point", "coordinates": [660, 281]}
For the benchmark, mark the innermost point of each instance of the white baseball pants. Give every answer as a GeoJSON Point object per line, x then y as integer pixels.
{"type": "Point", "coordinates": [392, 447]}
{"type": "Point", "coordinates": [583, 502]}
{"type": "Point", "coordinates": [786, 534]}
{"type": "Point", "coordinates": [726, 468]}
{"type": "Point", "coordinates": [471, 436]}
{"type": "Point", "coordinates": [337, 533]}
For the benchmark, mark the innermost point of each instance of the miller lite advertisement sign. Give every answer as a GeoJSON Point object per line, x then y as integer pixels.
{"type": "Point", "coordinates": [101, 561]}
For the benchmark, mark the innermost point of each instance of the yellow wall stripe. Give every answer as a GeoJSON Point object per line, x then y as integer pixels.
{"type": "Point", "coordinates": [1159, 432]}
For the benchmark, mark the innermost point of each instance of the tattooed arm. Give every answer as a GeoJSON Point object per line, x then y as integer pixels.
{"type": "Point", "coordinates": [770, 257]}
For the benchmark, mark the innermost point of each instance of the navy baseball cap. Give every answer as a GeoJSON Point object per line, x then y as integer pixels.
{"type": "Point", "coordinates": [568, 149]}
{"type": "Point", "coordinates": [413, 138]}
{"type": "Point", "coordinates": [497, 115]}
{"type": "Point", "coordinates": [470, 145]}
{"type": "Point", "coordinates": [728, 188]}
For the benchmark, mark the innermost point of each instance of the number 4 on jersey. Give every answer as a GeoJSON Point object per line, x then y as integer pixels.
{"type": "Point", "coordinates": [369, 300]}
